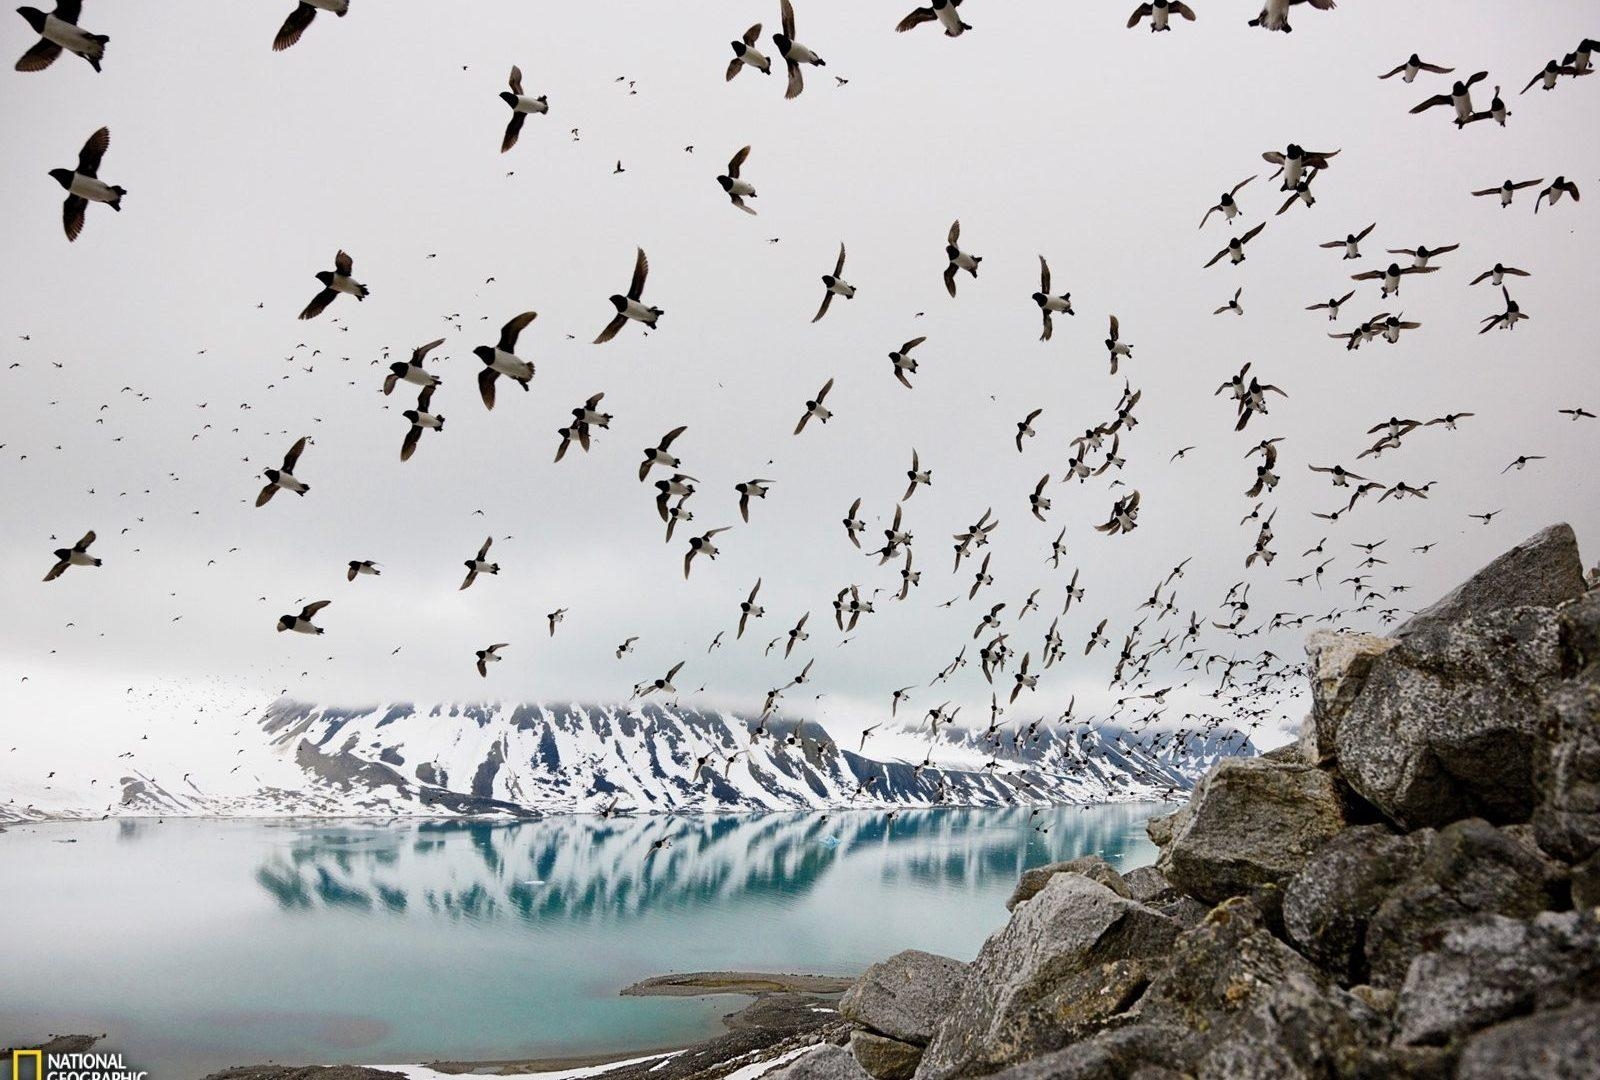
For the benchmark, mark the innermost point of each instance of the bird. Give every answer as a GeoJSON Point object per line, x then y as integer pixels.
{"type": "Point", "coordinates": [1116, 348]}
{"type": "Point", "coordinates": [490, 655]}
{"type": "Point", "coordinates": [745, 54]}
{"type": "Point", "coordinates": [794, 54]}
{"type": "Point", "coordinates": [750, 489]}
{"type": "Point", "coordinates": [631, 306]}
{"type": "Point", "coordinates": [1422, 253]}
{"type": "Point", "coordinates": [1351, 243]}
{"type": "Point", "coordinates": [361, 566]}
{"type": "Point", "coordinates": [1159, 13]}
{"type": "Point", "coordinates": [1025, 427]}
{"type": "Point", "coordinates": [334, 282]}
{"type": "Point", "coordinates": [300, 18]}
{"type": "Point", "coordinates": [420, 418]}
{"type": "Point", "coordinates": [659, 454]}
{"type": "Point", "coordinates": [904, 363]}
{"type": "Point", "coordinates": [918, 477]}
{"type": "Point", "coordinates": [521, 105]}
{"type": "Point", "coordinates": [76, 555]}
{"type": "Point", "coordinates": [1548, 75]}
{"type": "Point", "coordinates": [1235, 248]}
{"type": "Point", "coordinates": [1459, 98]}
{"type": "Point", "coordinates": [1507, 190]}
{"type": "Point", "coordinates": [1579, 413]}
{"type": "Point", "coordinates": [814, 407]}
{"type": "Point", "coordinates": [1390, 276]}
{"type": "Point", "coordinates": [1275, 13]}
{"type": "Point", "coordinates": [1226, 206]}
{"type": "Point", "coordinates": [941, 11]}
{"type": "Point", "coordinates": [1414, 64]}
{"type": "Point", "coordinates": [1508, 318]}
{"type": "Point", "coordinates": [749, 609]}
{"type": "Point", "coordinates": [555, 617]}
{"type": "Point", "coordinates": [834, 285]}
{"type": "Point", "coordinates": [284, 478]}
{"type": "Point", "coordinates": [301, 623]}
{"type": "Point", "coordinates": [501, 359]}
{"type": "Point", "coordinates": [83, 184]}
{"type": "Point", "coordinates": [59, 30]}
{"type": "Point", "coordinates": [956, 259]}
{"type": "Point", "coordinates": [1294, 159]}
{"type": "Point", "coordinates": [1048, 304]}
{"type": "Point", "coordinates": [413, 372]}
{"type": "Point", "coordinates": [479, 564]}
{"type": "Point", "coordinates": [701, 545]}
{"type": "Point", "coordinates": [1559, 186]}
{"type": "Point", "coordinates": [1333, 304]}
{"type": "Point", "coordinates": [1233, 304]}
{"type": "Point", "coordinates": [738, 190]}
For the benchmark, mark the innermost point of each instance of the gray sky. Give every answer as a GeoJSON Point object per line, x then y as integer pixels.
{"type": "Point", "coordinates": [1048, 129]}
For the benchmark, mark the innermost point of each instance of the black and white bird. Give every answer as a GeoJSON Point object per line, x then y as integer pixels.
{"type": "Point", "coordinates": [941, 11]}
{"type": "Point", "coordinates": [738, 190]}
{"type": "Point", "coordinates": [745, 54]}
{"type": "Point", "coordinates": [521, 105]}
{"type": "Point", "coordinates": [1549, 74]}
{"type": "Point", "coordinates": [816, 408]}
{"type": "Point", "coordinates": [421, 419]}
{"type": "Point", "coordinates": [1351, 242]}
{"type": "Point", "coordinates": [413, 372]}
{"type": "Point", "coordinates": [83, 184]}
{"type": "Point", "coordinates": [59, 30]}
{"type": "Point", "coordinates": [300, 18]}
{"type": "Point", "coordinates": [1390, 276]}
{"type": "Point", "coordinates": [301, 623]}
{"type": "Point", "coordinates": [1226, 205]}
{"type": "Point", "coordinates": [480, 564]}
{"type": "Point", "coordinates": [1235, 249]}
{"type": "Point", "coordinates": [631, 306]}
{"type": "Point", "coordinates": [660, 454]}
{"type": "Point", "coordinates": [834, 285]}
{"type": "Point", "coordinates": [956, 259]}
{"type": "Point", "coordinates": [501, 359]}
{"type": "Point", "coordinates": [1232, 305]}
{"type": "Point", "coordinates": [904, 363]}
{"type": "Point", "coordinates": [284, 478]}
{"type": "Point", "coordinates": [917, 477]}
{"type": "Point", "coordinates": [1414, 64]}
{"type": "Point", "coordinates": [357, 567]}
{"type": "Point", "coordinates": [1459, 99]}
{"type": "Point", "coordinates": [702, 545]}
{"type": "Point", "coordinates": [794, 54]}
{"type": "Point", "coordinates": [749, 609]}
{"type": "Point", "coordinates": [1275, 13]}
{"type": "Point", "coordinates": [1508, 318]}
{"type": "Point", "coordinates": [1116, 348]}
{"type": "Point", "coordinates": [750, 489]}
{"type": "Point", "coordinates": [1293, 160]}
{"type": "Point", "coordinates": [1497, 274]}
{"type": "Point", "coordinates": [488, 656]}
{"type": "Point", "coordinates": [1422, 254]}
{"type": "Point", "coordinates": [1160, 13]}
{"type": "Point", "coordinates": [1332, 304]}
{"type": "Point", "coordinates": [334, 282]}
{"type": "Point", "coordinates": [76, 555]}
{"type": "Point", "coordinates": [1558, 187]}
{"type": "Point", "coordinates": [1507, 190]}
{"type": "Point", "coordinates": [1050, 304]}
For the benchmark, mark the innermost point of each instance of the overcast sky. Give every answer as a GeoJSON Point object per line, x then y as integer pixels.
{"type": "Point", "coordinates": [1050, 128]}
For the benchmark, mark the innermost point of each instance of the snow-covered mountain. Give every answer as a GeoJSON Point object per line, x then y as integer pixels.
{"type": "Point", "coordinates": [527, 759]}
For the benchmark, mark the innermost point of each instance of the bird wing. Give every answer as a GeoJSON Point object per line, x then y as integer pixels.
{"type": "Point", "coordinates": [312, 608]}
{"type": "Point", "coordinates": [838, 267]}
{"type": "Point", "coordinates": [1139, 12]}
{"type": "Point", "coordinates": [83, 545]}
{"type": "Point", "coordinates": [93, 150]}
{"type": "Point", "coordinates": [641, 270]}
{"type": "Point", "coordinates": [423, 350]}
{"type": "Point", "coordinates": [293, 456]}
{"type": "Point", "coordinates": [827, 298]}
{"type": "Point", "coordinates": [1044, 275]}
{"type": "Point", "coordinates": [797, 81]}
{"type": "Point", "coordinates": [917, 17]}
{"type": "Point", "coordinates": [41, 56]}
{"type": "Point", "coordinates": [611, 328]}
{"type": "Point", "coordinates": [823, 393]}
{"type": "Point", "coordinates": [343, 264]}
{"type": "Point", "coordinates": [786, 18]}
{"type": "Point", "coordinates": [319, 303]}
{"type": "Point", "coordinates": [72, 211]}
{"type": "Point", "coordinates": [294, 26]}
{"type": "Point", "coordinates": [752, 35]}
{"type": "Point", "coordinates": [408, 446]}
{"type": "Point", "coordinates": [1251, 234]}
{"type": "Point", "coordinates": [1437, 99]}
{"type": "Point", "coordinates": [734, 165]}
{"type": "Point", "coordinates": [513, 329]}
{"type": "Point", "coordinates": [514, 129]}
{"type": "Point", "coordinates": [516, 80]}
{"type": "Point", "coordinates": [950, 279]}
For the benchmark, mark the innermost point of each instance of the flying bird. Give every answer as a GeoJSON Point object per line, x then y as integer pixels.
{"type": "Point", "coordinates": [794, 54]}
{"type": "Point", "coordinates": [334, 282]}
{"type": "Point", "coordinates": [501, 359]}
{"type": "Point", "coordinates": [301, 17]}
{"type": "Point", "coordinates": [83, 184]}
{"type": "Point", "coordinates": [284, 478]}
{"type": "Point", "coordinates": [745, 54]}
{"type": "Point", "coordinates": [834, 285]}
{"type": "Point", "coordinates": [76, 555]}
{"type": "Point", "coordinates": [941, 11]}
{"type": "Point", "coordinates": [521, 105]}
{"type": "Point", "coordinates": [738, 190]}
{"type": "Point", "coordinates": [59, 30]}
{"type": "Point", "coordinates": [632, 306]}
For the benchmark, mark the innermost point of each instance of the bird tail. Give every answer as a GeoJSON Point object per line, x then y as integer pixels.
{"type": "Point", "coordinates": [97, 562]}
{"type": "Point", "coordinates": [116, 204]}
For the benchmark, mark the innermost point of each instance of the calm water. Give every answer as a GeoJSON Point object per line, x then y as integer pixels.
{"type": "Point", "coordinates": [201, 944]}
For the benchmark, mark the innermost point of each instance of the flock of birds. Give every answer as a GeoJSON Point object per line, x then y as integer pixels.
{"type": "Point", "coordinates": [1168, 647]}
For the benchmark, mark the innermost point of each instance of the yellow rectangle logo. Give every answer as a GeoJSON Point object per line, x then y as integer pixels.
{"type": "Point", "coordinates": [16, 1064]}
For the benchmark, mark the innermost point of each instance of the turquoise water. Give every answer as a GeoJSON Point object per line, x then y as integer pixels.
{"type": "Point", "coordinates": [201, 944]}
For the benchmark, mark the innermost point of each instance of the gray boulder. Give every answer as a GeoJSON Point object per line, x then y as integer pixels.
{"type": "Point", "coordinates": [1160, 829]}
{"type": "Point", "coordinates": [1567, 766]}
{"type": "Point", "coordinates": [1298, 1029]}
{"type": "Point", "coordinates": [906, 996]}
{"type": "Point", "coordinates": [1148, 885]}
{"type": "Point", "coordinates": [1339, 663]}
{"type": "Point", "coordinates": [1542, 571]}
{"type": "Point", "coordinates": [1560, 1044]}
{"type": "Point", "coordinates": [1092, 867]}
{"type": "Point", "coordinates": [826, 1062]}
{"type": "Point", "coordinates": [1327, 905]}
{"type": "Point", "coordinates": [1136, 1052]}
{"type": "Point", "coordinates": [1469, 867]}
{"type": "Point", "coordinates": [1251, 822]}
{"type": "Point", "coordinates": [1489, 968]}
{"type": "Point", "coordinates": [1068, 960]}
{"type": "Point", "coordinates": [1444, 728]}
{"type": "Point", "coordinates": [884, 1059]}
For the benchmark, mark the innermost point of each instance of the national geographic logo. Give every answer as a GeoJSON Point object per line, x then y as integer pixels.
{"type": "Point", "coordinates": [39, 1065]}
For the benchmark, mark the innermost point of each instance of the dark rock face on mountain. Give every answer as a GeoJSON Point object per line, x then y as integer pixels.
{"type": "Point", "coordinates": [1409, 891]}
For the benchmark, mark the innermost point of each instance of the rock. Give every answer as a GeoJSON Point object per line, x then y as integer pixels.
{"type": "Point", "coordinates": [1136, 1052]}
{"type": "Point", "coordinates": [1092, 867]}
{"type": "Point", "coordinates": [1148, 885]}
{"type": "Point", "coordinates": [1067, 960]}
{"type": "Point", "coordinates": [1186, 911]}
{"type": "Point", "coordinates": [1542, 571]}
{"type": "Point", "coordinates": [1377, 998]}
{"type": "Point", "coordinates": [1489, 968]}
{"type": "Point", "coordinates": [824, 1063]}
{"type": "Point", "coordinates": [1447, 731]}
{"type": "Point", "coordinates": [1251, 822]}
{"type": "Point", "coordinates": [1288, 753]}
{"type": "Point", "coordinates": [1560, 1044]}
{"type": "Point", "coordinates": [1327, 904]}
{"type": "Point", "coordinates": [1299, 1028]}
{"type": "Point", "coordinates": [1160, 829]}
{"type": "Point", "coordinates": [1586, 882]}
{"type": "Point", "coordinates": [906, 996]}
{"type": "Point", "coordinates": [884, 1059]}
{"type": "Point", "coordinates": [1469, 867]}
{"type": "Point", "coordinates": [1339, 664]}
{"type": "Point", "coordinates": [1567, 771]}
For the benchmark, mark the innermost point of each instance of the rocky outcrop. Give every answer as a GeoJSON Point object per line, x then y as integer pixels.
{"type": "Point", "coordinates": [1409, 891]}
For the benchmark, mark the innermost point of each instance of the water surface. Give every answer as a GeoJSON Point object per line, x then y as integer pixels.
{"type": "Point", "coordinates": [197, 944]}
